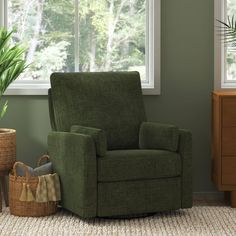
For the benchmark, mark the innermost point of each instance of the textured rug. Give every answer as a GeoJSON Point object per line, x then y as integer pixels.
{"type": "Point", "coordinates": [200, 220]}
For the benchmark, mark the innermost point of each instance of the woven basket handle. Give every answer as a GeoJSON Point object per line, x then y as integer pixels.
{"type": "Point", "coordinates": [24, 167]}
{"type": "Point", "coordinates": [42, 158]}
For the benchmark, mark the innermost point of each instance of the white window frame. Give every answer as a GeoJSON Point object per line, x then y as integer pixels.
{"type": "Point", "coordinates": [220, 66]}
{"type": "Point", "coordinates": [153, 43]}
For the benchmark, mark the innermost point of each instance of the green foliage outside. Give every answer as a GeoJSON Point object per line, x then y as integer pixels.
{"type": "Point", "coordinates": [229, 32]}
{"type": "Point", "coordinates": [111, 35]}
{"type": "Point", "coordinates": [12, 64]}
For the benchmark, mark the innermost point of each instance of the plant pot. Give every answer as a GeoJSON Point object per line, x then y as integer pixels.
{"type": "Point", "coordinates": [7, 149]}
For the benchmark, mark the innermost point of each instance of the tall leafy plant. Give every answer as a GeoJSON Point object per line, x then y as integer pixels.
{"type": "Point", "coordinates": [12, 64]}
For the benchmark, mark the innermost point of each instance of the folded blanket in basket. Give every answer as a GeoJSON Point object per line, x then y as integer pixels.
{"type": "Point", "coordinates": [26, 193]}
{"type": "Point", "coordinates": [48, 188]}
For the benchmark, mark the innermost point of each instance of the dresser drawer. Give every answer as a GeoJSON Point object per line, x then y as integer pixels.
{"type": "Point", "coordinates": [229, 170]}
{"type": "Point", "coordinates": [228, 141]}
{"type": "Point", "coordinates": [229, 111]}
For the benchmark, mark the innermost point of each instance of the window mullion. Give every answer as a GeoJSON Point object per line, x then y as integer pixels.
{"type": "Point", "coordinates": [5, 13]}
{"type": "Point", "coordinates": [224, 49]}
{"type": "Point", "coordinates": [76, 46]}
{"type": "Point", "coordinates": [147, 39]}
{"type": "Point", "coordinates": [2, 13]}
{"type": "Point", "coordinates": [219, 57]}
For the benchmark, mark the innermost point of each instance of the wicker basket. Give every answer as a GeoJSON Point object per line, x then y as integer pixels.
{"type": "Point", "coordinates": [21, 208]}
{"type": "Point", "coordinates": [7, 149]}
{"type": "Point", "coordinates": [44, 158]}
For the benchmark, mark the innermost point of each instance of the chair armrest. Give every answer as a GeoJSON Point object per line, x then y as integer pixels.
{"type": "Point", "coordinates": [74, 158]}
{"type": "Point", "coordinates": [158, 136]}
{"type": "Point", "coordinates": [185, 150]}
{"type": "Point", "coordinates": [98, 135]}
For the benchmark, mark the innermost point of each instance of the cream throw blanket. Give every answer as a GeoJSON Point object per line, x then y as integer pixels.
{"type": "Point", "coordinates": [48, 189]}
{"type": "Point", "coordinates": [26, 193]}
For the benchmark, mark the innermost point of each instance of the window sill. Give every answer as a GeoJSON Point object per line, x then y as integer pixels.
{"type": "Point", "coordinates": [28, 89]}
{"type": "Point", "coordinates": [42, 89]}
{"type": "Point", "coordinates": [228, 86]}
{"type": "Point", "coordinates": [151, 91]}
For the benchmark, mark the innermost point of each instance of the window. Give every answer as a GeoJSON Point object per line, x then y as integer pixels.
{"type": "Point", "coordinates": [225, 56]}
{"type": "Point", "coordinates": [85, 35]}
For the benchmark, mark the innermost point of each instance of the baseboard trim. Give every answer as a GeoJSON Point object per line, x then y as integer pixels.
{"type": "Point", "coordinates": [208, 196]}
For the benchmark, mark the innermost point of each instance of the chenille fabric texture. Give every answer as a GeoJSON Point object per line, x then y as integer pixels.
{"type": "Point", "coordinates": [48, 188]}
{"type": "Point", "coordinates": [109, 101]}
{"type": "Point", "coordinates": [167, 138]}
{"type": "Point", "coordinates": [144, 168]}
{"type": "Point", "coordinates": [98, 136]}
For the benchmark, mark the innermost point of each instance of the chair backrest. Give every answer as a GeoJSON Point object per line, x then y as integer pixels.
{"type": "Point", "coordinates": [111, 101]}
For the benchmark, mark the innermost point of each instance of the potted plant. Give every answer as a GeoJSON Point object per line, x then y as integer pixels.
{"type": "Point", "coordinates": [12, 64]}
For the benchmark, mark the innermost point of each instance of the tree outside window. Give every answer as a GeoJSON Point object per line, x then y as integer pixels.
{"type": "Point", "coordinates": [80, 35]}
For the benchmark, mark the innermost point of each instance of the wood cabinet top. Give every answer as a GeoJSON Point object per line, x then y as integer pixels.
{"type": "Point", "coordinates": [231, 92]}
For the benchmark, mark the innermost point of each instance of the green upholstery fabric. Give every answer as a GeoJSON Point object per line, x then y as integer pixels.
{"type": "Point", "coordinates": [126, 180]}
{"type": "Point", "coordinates": [141, 196]}
{"type": "Point", "coordinates": [51, 110]}
{"type": "Point", "coordinates": [158, 136]}
{"type": "Point", "coordinates": [123, 165]}
{"type": "Point", "coordinates": [185, 150]}
{"type": "Point", "coordinates": [98, 136]}
{"type": "Point", "coordinates": [111, 101]}
{"type": "Point", "coordinates": [74, 158]}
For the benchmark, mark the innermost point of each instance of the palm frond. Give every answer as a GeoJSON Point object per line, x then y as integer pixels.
{"type": "Point", "coordinates": [4, 109]}
{"type": "Point", "coordinates": [227, 31]}
{"type": "Point", "coordinates": [12, 63]}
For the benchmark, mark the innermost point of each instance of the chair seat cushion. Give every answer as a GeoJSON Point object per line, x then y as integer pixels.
{"type": "Point", "coordinates": [122, 165]}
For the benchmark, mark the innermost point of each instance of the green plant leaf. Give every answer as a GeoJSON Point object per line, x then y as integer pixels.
{"type": "Point", "coordinates": [227, 31]}
{"type": "Point", "coordinates": [4, 109]}
{"type": "Point", "coordinates": [12, 63]}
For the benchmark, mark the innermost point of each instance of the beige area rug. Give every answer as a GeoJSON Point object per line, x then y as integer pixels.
{"type": "Point", "coordinates": [200, 220]}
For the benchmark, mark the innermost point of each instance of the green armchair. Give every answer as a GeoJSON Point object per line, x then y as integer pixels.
{"type": "Point", "coordinates": [111, 161]}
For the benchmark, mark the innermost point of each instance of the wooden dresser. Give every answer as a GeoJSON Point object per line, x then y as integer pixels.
{"type": "Point", "coordinates": [224, 142]}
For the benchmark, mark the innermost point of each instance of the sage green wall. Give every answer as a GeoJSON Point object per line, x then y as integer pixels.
{"type": "Point", "coordinates": [186, 84]}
